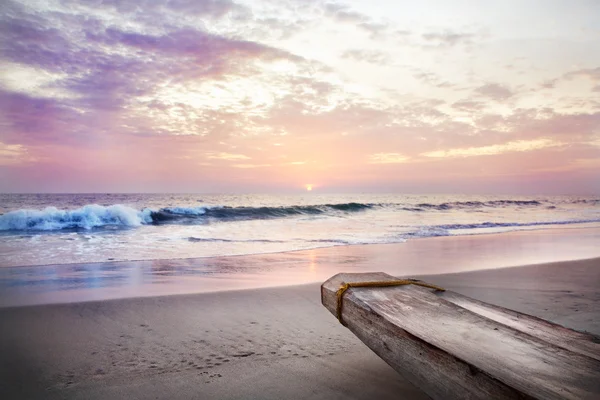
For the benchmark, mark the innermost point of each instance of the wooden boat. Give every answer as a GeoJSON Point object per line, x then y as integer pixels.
{"type": "Point", "coordinates": [455, 347]}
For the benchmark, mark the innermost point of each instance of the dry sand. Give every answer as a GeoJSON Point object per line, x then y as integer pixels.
{"type": "Point", "coordinates": [275, 343]}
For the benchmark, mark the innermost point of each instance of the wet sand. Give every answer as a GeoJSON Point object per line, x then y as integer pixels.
{"type": "Point", "coordinates": [438, 255]}
{"type": "Point", "coordinates": [270, 343]}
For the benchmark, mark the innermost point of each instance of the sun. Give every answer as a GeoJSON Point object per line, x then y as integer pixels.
{"type": "Point", "coordinates": [309, 187]}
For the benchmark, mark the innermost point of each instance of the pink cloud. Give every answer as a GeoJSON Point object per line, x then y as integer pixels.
{"type": "Point", "coordinates": [113, 128]}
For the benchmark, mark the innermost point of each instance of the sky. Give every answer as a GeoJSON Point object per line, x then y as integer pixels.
{"type": "Point", "coordinates": [249, 96]}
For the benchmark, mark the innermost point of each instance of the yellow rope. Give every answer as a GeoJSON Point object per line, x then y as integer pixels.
{"type": "Point", "coordinates": [399, 282]}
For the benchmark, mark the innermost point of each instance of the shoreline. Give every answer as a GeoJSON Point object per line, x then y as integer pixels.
{"type": "Point", "coordinates": [562, 227]}
{"type": "Point", "coordinates": [247, 343]}
{"type": "Point", "coordinates": [424, 277]}
{"type": "Point", "coordinates": [68, 283]}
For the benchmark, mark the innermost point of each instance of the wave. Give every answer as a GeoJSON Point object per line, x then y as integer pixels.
{"type": "Point", "coordinates": [586, 201]}
{"type": "Point", "coordinates": [337, 241]}
{"type": "Point", "coordinates": [512, 224]}
{"type": "Point", "coordinates": [196, 240]}
{"type": "Point", "coordinates": [96, 216]}
{"type": "Point", "coordinates": [514, 203]}
{"type": "Point", "coordinates": [173, 214]}
{"type": "Point", "coordinates": [476, 204]}
{"type": "Point", "coordinates": [185, 210]}
{"type": "Point", "coordinates": [87, 217]}
{"type": "Point", "coordinates": [444, 230]}
{"type": "Point", "coordinates": [427, 231]}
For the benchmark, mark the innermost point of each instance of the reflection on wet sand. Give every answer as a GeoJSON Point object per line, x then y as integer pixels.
{"type": "Point", "coordinates": [94, 281]}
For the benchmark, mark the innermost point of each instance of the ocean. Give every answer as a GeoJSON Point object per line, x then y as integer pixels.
{"type": "Point", "coordinates": [42, 229]}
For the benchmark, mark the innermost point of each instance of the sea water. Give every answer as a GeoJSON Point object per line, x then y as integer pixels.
{"type": "Point", "coordinates": [41, 229]}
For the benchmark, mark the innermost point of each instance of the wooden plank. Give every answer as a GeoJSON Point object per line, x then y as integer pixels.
{"type": "Point", "coordinates": [579, 342]}
{"type": "Point", "coordinates": [454, 348]}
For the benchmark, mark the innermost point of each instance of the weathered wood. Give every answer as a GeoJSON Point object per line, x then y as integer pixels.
{"type": "Point", "coordinates": [455, 347]}
{"type": "Point", "coordinates": [578, 342]}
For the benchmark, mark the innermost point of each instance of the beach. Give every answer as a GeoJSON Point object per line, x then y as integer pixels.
{"type": "Point", "coordinates": [264, 343]}
{"type": "Point", "coordinates": [179, 178]}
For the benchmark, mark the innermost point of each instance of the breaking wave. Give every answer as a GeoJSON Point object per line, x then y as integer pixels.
{"type": "Point", "coordinates": [87, 217]}
{"type": "Point", "coordinates": [175, 214]}
{"type": "Point", "coordinates": [96, 216]}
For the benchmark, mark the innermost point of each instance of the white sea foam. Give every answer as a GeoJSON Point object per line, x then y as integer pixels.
{"type": "Point", "coordinates": [181, 226]}
{"type": "Point", "coordinates": [186, 210]}
{"type": "Point", "coordinates": [87, 217]}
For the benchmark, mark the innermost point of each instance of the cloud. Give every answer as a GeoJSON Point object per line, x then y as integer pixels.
{"type": "Point", "coordinates": [432, 79]}
{"type": "Point", "coordinates": [388, 158]}
{"type": "Point", "coordinates": [249, 166]}
{"type": "Point", "coordinates": [448, 38]}
{"type": "Point", "coordinates": [210, 83]}
{"type": "Point", "coordinates": [11, 154]}
{"type": "Point", "coordinates": [369, 56]}
{"type": "Point", "coordinates": [590, 73]}
{"type": "Point", "coordinates": [494, 91]}
{"type": "Point", "coordinates": [227, 156]}
{"type": "Point", "coordinates": [212, 8]}
{"type": "Point", "coordinates": [74, 74]}
{"type": "Point", "coordinates": [29, 120]}
{"type": "Point", "coordinates": [374, 28]}
{"type": "Point", "coordinates": [344, 14]}
{"type": "Point", "coordinates": [470, 106]}
{"type": "Point", "coordinates": [514, 146]}
{"type": "Point", "coordinates": [549, 84]}
{"type": "Point", "coordinates": [197, 44]}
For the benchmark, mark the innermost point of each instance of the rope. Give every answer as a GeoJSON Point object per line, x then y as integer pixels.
{"type": "Point", "coordinates": [400, 282]}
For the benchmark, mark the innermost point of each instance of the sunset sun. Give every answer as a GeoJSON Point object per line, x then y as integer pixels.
{"type": "Point", "coordinates": [309, 187]}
